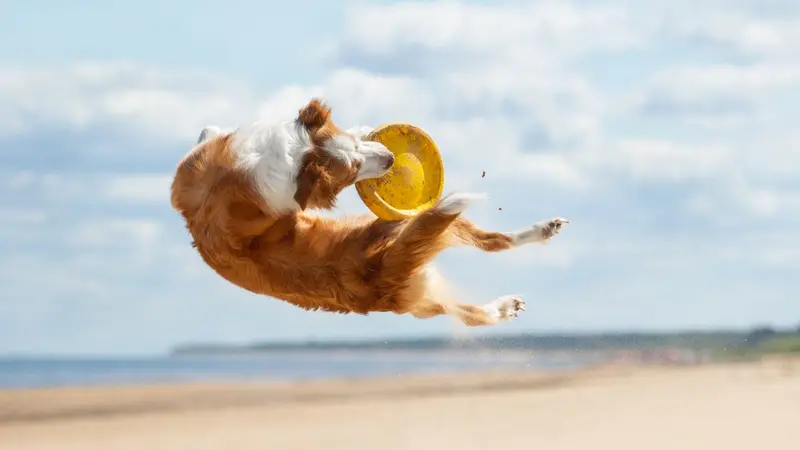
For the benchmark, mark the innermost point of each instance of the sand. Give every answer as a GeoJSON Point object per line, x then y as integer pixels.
{"type": "Point", "coordinates": [705, 408]}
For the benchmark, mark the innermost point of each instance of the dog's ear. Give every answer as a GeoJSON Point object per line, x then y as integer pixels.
{"type": "Point", "coordinates": [314, 115]}
{"type": "Point", "coordinates": [308, 179]}
{"type": "Point", "coordinates": [305, 187]}
{"type": "Point", "coordinates": [316, 183]}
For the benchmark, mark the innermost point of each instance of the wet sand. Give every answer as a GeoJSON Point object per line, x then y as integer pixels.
{"type": "Point", "coordinates": [712, 407]}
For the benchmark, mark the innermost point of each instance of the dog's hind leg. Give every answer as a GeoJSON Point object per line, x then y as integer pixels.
{"type": "Point", "coordinates": [465, 232]}
{"type": "Point", "coordinates": [428, 295]}
{"type": "Point", "coordinates": [496, 311]}
{"type": "Point", "coordinates": [423, 238]}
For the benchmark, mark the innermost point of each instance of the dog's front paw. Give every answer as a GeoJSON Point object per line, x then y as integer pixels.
{"type": "Point", "coordinates": [550, 228]}
{"type": "Point", "coordinates": [540, 232]}
{"type": "Point", "coordinates": [505, 307]}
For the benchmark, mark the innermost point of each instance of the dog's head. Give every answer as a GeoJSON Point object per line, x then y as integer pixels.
{"type": "Point", "coordinates": [336, 161]}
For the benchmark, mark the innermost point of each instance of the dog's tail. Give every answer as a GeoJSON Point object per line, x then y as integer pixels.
{"type": "Point", "coordinates": [423, 238]}
{"type": "Point", "coordinates": [209, 132]}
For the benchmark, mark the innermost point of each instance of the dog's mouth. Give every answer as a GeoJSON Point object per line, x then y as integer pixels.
{"type": "Point", "coordinates": [376, 169]}
{"type": "Point", "coordinates": [384, 172]}
{"type": "Point", "coordinates": [389, 162]}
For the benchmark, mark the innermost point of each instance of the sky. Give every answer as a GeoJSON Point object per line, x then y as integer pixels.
{"type": "Point", "coordinates": [664, 130]}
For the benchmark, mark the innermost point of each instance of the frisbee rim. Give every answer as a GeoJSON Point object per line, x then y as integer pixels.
{"type": "Point", "coordinates": [375, 202]}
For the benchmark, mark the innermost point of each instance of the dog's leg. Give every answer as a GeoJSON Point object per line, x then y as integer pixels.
{"type": "Point", "coordinates": [422, 238]}
{"type": "Point", "coordinates": [428, 295]}
{"type": "Point", "coordinates": [465, 232]}
{"type": "Point", "coordinates": [540, 232]}
{"type": "Point", "coordinates": [496, 311]}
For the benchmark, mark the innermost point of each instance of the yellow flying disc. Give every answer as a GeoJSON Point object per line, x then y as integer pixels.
{"type": "Point", "coordinates": [415, 181]}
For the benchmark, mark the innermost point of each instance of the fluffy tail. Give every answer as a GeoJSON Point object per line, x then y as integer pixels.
{"type": "Point", "coordinates": [209, 132]}
{"type": "Point", "coordinates": [422, 239]}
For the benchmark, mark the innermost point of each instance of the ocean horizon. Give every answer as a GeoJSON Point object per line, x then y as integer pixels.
{"type": "Point", "coordinates": [45, 372]}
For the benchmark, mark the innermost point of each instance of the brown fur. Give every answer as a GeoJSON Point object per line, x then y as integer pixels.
{"type": "Point", "coordinates": [358, 265]}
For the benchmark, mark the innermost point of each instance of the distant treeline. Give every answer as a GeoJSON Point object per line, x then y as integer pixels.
{"type": "Point", "coordinates": [715, 340]}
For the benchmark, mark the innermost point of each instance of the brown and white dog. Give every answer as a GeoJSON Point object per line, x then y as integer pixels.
{"type": "Point", "coordinates": [244, 196]}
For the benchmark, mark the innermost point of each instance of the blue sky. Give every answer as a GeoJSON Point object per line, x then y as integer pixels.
{"type": "Point", "coordinates": [666, 133]}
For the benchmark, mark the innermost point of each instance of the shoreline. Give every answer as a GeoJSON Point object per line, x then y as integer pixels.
{"type": "Point", "coordinates": [43, 404]}
{"type": "Point", "coordinates": [38, 372]}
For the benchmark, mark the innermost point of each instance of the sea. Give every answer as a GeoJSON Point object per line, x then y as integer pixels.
{"type": "Point", "coordinates": [18, 373]}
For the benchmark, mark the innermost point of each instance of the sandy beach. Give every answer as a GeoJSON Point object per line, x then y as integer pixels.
{"type": "Point", "coordinates": [709, 407]}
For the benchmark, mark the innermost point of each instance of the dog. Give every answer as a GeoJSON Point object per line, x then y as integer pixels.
{"type": "Point", "coordinates": [245, 196]}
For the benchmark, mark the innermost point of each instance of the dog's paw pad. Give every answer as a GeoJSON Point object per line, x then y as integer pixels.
{"type": "Point", "coordinates": [506, 307]}
{"type": "Point", "coordinates": [552, 227]}
{"type": "Point", "coordinates": [540, 232]}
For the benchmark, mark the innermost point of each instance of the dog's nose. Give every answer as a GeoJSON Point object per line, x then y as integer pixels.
{"type": "Point", "coordinates": [390, 161]}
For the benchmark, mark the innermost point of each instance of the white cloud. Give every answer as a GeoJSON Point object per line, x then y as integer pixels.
{"type": "Point", "coordinates": [22, 217]}
{"type": "Point", "coordinates": [509, 89]}
{"type": "Point", "coordinates": [777, 157]}
{"type": "Point", "coordinates": [740, 201]}
{"type": "Point", "coordinates": [728, 79]}
{"type": "Point", "coordinates": [768, 38]}
{"type": "Point", "coordinates": [717, 96]}
{"type": "Point", "coordinates": [517, 104]}
{"type": "Point", "coordinates": [512, 33]}
{"type": "Point", "coordinates": [357, 97]}
{"type": "Point", "coordinates": [139, 187]}
{"type": "Point", "coordinates": [652, 160]}
{"type": "Point", "coordinates": [145, 99]}
{"type": "Point", "coordinates": [132, 233]}
{"type": "Point", "coordinates": [19, 180]}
